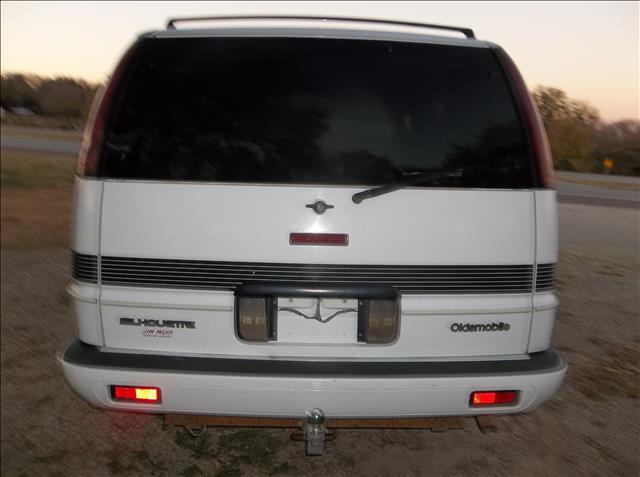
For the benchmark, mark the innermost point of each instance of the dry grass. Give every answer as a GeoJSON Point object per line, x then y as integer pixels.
{"type": "Point", "coordinates": [618, 375]}
{"type": "Point", "coordinates": [35, 196]}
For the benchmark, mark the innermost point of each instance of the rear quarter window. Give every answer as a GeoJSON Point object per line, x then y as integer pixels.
{"type": "Point", "coordinates": [314, 111]}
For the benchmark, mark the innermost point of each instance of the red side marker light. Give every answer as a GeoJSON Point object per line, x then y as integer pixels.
{"type": "Point", "coordinates": [492, 398]}
{"type": "Point", "coordinates": [135, 393]}
{"type": "Point", "coordinates": [318, 239]}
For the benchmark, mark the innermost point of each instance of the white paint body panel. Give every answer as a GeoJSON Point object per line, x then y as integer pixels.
{"type": "Point", "coordinates": [87, 206]}
{"type": "Point", "coordinates": [235, 395]}
{"type": "Point", "coordinates": [546, 226]}
{"type": "Point", "coordinates": [86, 313]}
{"type": "Point", "coordinates": [479, 227]}
{"type": "Point", "coordinates": [424, 326]}
{"type": "Point", "coordinates": [252, 224]}
{"type": "Point", "coordinates": [543, 321]}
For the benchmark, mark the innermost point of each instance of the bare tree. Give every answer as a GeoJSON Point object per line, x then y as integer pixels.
{"type": "Point", "coordinates": [572, 126]}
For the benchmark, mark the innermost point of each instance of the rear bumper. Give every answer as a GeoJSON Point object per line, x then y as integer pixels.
{"type": "Point", "coordinates": [278, 388]}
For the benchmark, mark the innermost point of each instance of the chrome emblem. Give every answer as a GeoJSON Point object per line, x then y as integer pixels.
{"type": "Point", "coordinates": [319, 206]}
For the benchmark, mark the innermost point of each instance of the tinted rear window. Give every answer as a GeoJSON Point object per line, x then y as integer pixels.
{"type": "Point", "coordinates": [315, 111]}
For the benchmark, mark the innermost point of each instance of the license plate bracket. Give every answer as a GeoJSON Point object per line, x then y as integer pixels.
{"type": "Point", "coordinates": [362, 294]}
{"type": "Point", "coordinates": [317, 320]}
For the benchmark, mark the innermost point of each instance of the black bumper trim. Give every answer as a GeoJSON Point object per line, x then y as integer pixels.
{"type": "Point", "coordinates": [82, 354]}
{"type": "Point", "coordinates": [319, 289]}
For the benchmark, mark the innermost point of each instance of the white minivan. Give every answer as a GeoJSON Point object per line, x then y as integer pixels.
{"type": "Point", "coordinates": [274, 215]}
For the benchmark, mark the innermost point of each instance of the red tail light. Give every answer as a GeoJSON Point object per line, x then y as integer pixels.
{"type": "Point", "coordinates": [318, 239]}
{"type": "Point", "coordinates": [94, 129]}
{"type": "Point", "coordinates": [534, 128]}
{"type": "Point", "coordinates": [492, 398]}
{"type": "Point", "coordinates": [135, 393]}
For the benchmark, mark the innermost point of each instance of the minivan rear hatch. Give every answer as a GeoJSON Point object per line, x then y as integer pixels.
{"type": "Point", "coordinates": [216, 149]}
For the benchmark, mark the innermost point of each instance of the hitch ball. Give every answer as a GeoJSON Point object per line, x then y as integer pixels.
{"type": "Point", "coordinates": [315, 432]}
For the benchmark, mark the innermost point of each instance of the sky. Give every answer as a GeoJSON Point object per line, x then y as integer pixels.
{"type": "Point", "coordinates": [588, 49]}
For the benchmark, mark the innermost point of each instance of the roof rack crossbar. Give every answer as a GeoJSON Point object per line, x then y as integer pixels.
{"type": "Point", "coordinates": [467, 32]}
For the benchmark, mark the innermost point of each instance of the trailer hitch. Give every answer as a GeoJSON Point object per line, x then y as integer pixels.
{"type": "Point", "coordinates": [316, 429]}
{"type": "Point", "coordinates": [314, 432]}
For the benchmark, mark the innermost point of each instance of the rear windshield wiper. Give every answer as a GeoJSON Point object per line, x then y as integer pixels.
{"type": "Point", "coordinates": [408, 180]}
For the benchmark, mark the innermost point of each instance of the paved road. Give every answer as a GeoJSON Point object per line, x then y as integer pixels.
{"type": "Point", "coordinates": [601, 177]}
{"type": "Point", "coordinates": [570, 192]}
{"type": "Point", "coordinates": [40, 145]}
{"type": "Point", "coordinates": [577, 193]}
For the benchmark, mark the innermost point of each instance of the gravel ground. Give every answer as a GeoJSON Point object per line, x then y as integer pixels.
{"type": "Point", "coordinates": [589, 428]}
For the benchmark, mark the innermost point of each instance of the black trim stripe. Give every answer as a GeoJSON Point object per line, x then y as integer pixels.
{"type": "Point", "coordinates": [81, 354]}
{"type": "Point", "coordinates": [85, 267]}
{"type": "Point", "coordinates": [228, 275]}
{"type": "Point", "coordinates": [407, 279]}
{"type": "Point", "coordinates": [545, 277]}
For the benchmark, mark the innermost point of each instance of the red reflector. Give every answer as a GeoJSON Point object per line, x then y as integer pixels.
{"type": "Point", "coordinates": [490, 398]}
{"type": "Point", "coordinates": [318, 239]}
{"type": "Point", "coordinates": [134, 393]}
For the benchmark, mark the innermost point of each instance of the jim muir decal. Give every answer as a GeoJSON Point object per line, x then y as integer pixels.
{"type": "Point", "coordinates": [158, 328]}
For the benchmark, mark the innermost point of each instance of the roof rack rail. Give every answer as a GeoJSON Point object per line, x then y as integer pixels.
{"type": "Point", "coordinates": [467, 32]}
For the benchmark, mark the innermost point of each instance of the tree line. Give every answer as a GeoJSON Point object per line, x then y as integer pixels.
{"type": "Point", "coordinates": [61, 96]}
{"type": "Point", "coordinates": [580, 140]}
